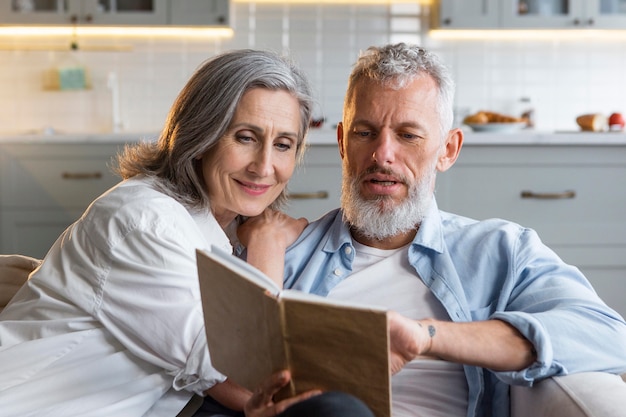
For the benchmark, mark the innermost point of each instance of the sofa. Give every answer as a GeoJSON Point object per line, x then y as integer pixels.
{"type": "Point", "coordinates": [591, 394]}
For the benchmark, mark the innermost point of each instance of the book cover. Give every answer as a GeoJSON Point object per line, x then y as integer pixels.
{"type": "Point", "coordinates": [254, 329]}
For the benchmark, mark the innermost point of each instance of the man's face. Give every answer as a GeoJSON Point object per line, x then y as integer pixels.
{"type": "Point", "coordinates": [390, 142]}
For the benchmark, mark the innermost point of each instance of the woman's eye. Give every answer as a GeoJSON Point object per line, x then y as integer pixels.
{"type": "Point", "coordinates": [283, 146]}
{"type": "Point", "coordinates": [243, 138]}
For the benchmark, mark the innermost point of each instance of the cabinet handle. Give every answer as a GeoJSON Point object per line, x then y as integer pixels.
{"type": "Point", "coordinates": [549, 196]}
{"type": "Point", "coordinates": [309, 196]}
{"type": "Point", "coordinates": [81, 175]}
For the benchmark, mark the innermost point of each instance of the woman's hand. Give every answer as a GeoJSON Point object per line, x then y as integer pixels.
{"type": "Point", "coordinates": [271, 226]}
{"type": "Point", "coordinates": [266, 238]}
{"type": "Point", "coordinates": [262, 404]}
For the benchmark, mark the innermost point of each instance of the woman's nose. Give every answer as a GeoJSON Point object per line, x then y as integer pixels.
{"type": "Point", "coordinates": [262, 164]}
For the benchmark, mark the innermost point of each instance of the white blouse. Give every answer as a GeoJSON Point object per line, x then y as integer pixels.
{"type": "Point", "coordinates": [111, 324]}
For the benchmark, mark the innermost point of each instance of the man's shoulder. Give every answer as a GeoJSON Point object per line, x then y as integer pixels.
{"type": "Point", "coordinates": [455, 225]}
{"type": "Point", "coordinates": [329, 224]}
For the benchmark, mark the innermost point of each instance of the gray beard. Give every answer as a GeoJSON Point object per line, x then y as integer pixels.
{"type": "Point", "coordinates": [381, 218]}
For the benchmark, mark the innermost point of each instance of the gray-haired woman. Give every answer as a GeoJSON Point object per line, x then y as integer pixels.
{"type": "Point", "coordinates": [111, 323]}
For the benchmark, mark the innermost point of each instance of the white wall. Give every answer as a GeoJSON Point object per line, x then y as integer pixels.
{"type": "Point", "coordinates": [563, 79]}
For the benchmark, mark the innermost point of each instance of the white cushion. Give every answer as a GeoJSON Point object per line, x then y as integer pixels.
{"type": "Point", "coordinates": [588, 394]}
{"type": "Point", "coordinates": [14, 271]}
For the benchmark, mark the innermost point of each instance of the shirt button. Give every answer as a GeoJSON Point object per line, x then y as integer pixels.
{"type": "Point", "coordinates": [348, 250]}
{"type": "Point", "coordinates": [337, 272]}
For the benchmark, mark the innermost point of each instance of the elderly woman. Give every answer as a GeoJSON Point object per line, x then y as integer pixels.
{"type": "Point", "coordinates": [111, 322]}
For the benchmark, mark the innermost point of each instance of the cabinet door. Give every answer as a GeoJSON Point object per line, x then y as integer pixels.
{"type": "Point", "coordinates": [547, 14]}
{"type": "Point", "coordinates": [573, 197]}
{"type": "Point", "coordinates": [32, 232]}
{"type": "Point", "coordinates": [460, 14]}
{"type": "Point", "coordinates": [315, 187]}
{"type": "Point", "coordinates": [84, 12]}
{"type": "Point", "coordinates": [54, 181]}
{"type": "Point", "coordinates": [124, 12]}
{"type": "Point", "coordinates": [200, 13]}
{"type": "Point", "coordinates": [34, 12]}
{"type": "Point", "coordinates": [606, 14]}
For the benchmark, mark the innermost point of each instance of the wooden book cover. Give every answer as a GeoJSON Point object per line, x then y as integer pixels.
{"type": "Point", "coordinates": [254, 329]}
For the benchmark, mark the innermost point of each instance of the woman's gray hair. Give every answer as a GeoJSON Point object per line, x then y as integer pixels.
{"type": "Point", "coordinates": [201, 115]}
{"type": "Point", "coordinates": [399, 64]}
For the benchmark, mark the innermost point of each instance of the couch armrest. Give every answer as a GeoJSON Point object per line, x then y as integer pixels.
{"type": "Point", "coordinates": [14, 271]}
{"type": "Point", "coordinates": [588, 394]}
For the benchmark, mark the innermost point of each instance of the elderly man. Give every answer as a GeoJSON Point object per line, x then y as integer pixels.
{"type": "Point", "coordinates": [477, 304]}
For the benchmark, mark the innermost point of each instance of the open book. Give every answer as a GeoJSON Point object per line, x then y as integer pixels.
{"type": "Point", "coordinates": [254, 329]}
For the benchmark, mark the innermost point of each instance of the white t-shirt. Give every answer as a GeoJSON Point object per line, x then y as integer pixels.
{"type": "Point", "coordinates": [111, 323]}
{"type": "Point", "coordinates": [425, 387]}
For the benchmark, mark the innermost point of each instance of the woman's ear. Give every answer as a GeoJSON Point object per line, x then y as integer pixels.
{"type": "Point", "coordinates": [450, 150]}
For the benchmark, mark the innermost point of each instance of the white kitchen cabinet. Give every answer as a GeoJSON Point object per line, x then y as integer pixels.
{"type": "Point", "coordinates": [568, 14]}
{"type": "Point", "coordinates": [573, 196]}
{"type": "Point", "coordinates": [84, 12]}
{"type": "Point", "coordinates": [44, 187]}
{"type": "Point", "coordinates": [315, 187]}
{"type": "Point", "coordinates": [476, 14]}
{"type": "Point", "coordinates": [200, 13]}
{"type": "Point", "coordinates": [532, 14]}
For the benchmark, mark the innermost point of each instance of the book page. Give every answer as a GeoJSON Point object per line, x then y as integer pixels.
{"type": "Point", "coordinates": [242, 321]}
{"type": "Point", "coordinates": [338, 347]}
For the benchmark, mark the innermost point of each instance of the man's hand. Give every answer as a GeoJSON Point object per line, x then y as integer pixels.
{"type": "Point", "coordinates": [408, 339]}
{"type": "Point", "coordinates": [262, 404]}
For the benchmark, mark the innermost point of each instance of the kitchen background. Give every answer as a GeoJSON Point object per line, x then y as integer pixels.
{"type": "Point", "coordinates": [562, 78]}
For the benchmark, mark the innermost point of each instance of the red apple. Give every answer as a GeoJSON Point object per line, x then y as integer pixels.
{"type": "Point", "coordinates": [616, 121]}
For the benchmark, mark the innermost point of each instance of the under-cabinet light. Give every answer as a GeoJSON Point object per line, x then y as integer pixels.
{"type": "Point", "coordinates": [123, 31]}
{"type": "Point", "coordinates": [528, 34]}
{"type": "Point", "coordinates": [331, 2]}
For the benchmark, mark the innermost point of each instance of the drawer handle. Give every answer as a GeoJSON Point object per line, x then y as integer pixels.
{"type": "Point", "coordinates": [81, 175]}
{"type": "Point", "coordinates": [309, 196]}
{"type": "Point", "coordinates": [549, 196]}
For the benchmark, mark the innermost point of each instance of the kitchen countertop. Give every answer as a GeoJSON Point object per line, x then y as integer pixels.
{"type": "Point", "coordinates": [77, 137]}
{"type": "Point", "coordinates": [327, 136]}
{"type": "Point", "coordinates": [522, 137]}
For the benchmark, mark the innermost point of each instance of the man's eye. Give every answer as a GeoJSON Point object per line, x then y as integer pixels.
{"type": "Point", "coordinates": [409, 136]}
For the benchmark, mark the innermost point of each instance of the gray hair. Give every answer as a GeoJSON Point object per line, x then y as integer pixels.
{"type": "Point", "coordinates": [399, 64]}
{"type": "Point", "coordinates": [201, 115]}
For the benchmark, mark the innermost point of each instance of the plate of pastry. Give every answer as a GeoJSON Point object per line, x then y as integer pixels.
{"type": "Point", "coordinates": [497, 127]}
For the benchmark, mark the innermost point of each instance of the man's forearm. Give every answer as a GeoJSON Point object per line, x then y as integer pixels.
{"type": "Point", "coordinates": [492, 344]}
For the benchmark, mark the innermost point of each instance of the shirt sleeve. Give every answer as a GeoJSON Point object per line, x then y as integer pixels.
{"type": "Point", "coordinates": [556, 309]}
{"type": "Point", "coordinates": [150, 300]}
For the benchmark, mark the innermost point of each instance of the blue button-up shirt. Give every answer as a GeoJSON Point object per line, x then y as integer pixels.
{"type": "Point", "coordinates": [480, 270]}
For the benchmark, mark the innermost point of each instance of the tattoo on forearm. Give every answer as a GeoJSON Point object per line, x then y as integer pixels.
{"type": "Point", "coordinates": [431, 330]}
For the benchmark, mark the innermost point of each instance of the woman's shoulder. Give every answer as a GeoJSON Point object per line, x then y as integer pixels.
{"type": "Point", "coordinates": [134, 203]}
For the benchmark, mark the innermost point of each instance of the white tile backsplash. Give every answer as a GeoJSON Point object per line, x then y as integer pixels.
{"type": "Point", "coordinates": [562, 78]}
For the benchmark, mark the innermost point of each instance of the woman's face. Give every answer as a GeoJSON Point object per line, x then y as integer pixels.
{"type": "Point", "coordinates": [252, 162]}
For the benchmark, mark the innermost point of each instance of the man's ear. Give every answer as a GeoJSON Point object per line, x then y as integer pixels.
{"type": "Point", "coordinates": [340, 138]}
{"type": "Point", "coordinates": [450, 150]}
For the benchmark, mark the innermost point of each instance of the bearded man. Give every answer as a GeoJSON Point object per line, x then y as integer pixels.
{"type": "Point", "coordinates": [475, 305]}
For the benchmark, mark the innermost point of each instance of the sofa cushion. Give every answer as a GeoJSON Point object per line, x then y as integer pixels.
{"type": "Point", "coordinates": [14, 271]}
{"type": "Point", "coordinates": [589, 394]}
